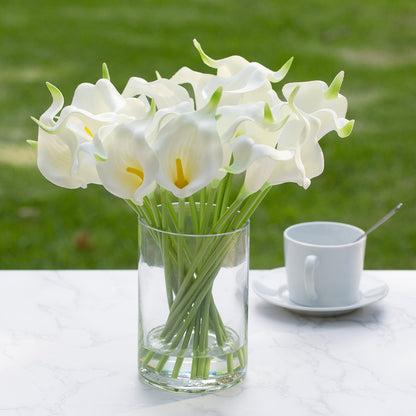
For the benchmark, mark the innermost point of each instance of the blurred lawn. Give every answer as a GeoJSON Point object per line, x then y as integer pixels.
{"type": "Point", "coordinates": [367, 174]}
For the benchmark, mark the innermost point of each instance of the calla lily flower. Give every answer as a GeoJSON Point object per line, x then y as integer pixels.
{"type": "Point", "coordinates": [301, 133]}
{"type": "Point", "coordinates": [242, 81]}
{"type": "Point", "coordinates": [130, 168]}
{"type": "Point", "coordinates": [189, 150]}
{"type": "Point", "coordinates": [307, 162]}
{"type": "Point", "coordinates": [323, 102]}
{"type": "Point", "coordinates": [249, 85]}
{"type": "Point", "coordinates": [67, 143]}
{"type": "Point", "coordinates": [313, 109]}
{"type": "Point", "coordinates": [64, 156]}
{"type": "Point", "coordinates": [231, 65]}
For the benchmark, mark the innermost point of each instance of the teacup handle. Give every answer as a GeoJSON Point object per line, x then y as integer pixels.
{"type": "Point", "coordinates": [311, 262]}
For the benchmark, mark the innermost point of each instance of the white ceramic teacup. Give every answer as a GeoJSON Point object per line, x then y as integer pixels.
{"type": "Point", "coordinates": [324, 263]}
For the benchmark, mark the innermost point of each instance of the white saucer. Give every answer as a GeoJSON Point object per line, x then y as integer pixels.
{"type": "Point", "coordinates": [273, 289]}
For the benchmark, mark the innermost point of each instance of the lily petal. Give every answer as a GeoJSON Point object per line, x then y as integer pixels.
{"type": "Point", "coordinates": [47, 118]}
{"type": "Point", "coordinates": [197, 80]}
{"type": "Point", "coordinates": [102, 97]}
{"type": "Point", "coordinates": [246, 151]}
{"type": "Point", "coordinates": [165, 92]}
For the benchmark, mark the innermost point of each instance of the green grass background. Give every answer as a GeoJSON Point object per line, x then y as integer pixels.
{"type": "Point", "coordinates": [374, 42]}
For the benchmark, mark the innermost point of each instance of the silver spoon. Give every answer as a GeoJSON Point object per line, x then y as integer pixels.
{"type": "Point", "coordinates": [382, 221]}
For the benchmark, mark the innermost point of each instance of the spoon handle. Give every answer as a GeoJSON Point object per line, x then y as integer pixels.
{"type": "Point", "coordinates": [382, 221]}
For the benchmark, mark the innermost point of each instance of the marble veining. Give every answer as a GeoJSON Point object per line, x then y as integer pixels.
{"type": "Point", "coordinates": [68, 347]}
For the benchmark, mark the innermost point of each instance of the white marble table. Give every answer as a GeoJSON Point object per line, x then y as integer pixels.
{"type": "Point", "coordinates": [68, 347]}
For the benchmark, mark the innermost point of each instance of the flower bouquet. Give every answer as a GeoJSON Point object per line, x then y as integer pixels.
{"type": "Point", "coordinates": [193, 155]}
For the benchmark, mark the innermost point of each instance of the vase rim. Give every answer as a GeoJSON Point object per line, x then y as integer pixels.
{"type": "Point", "coordinates": [151, 227]}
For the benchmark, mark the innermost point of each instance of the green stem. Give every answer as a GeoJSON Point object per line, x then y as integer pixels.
{"type": "Point", "coordinates": [208, 210]}
{"type": "Point", "coordinates": [202, 201]}
{"type": "Point", "coordinates": [180, 240]}
{"type": "Point", "coordinates": [224, 221]}
{"type": "Point", "coordinates": [230, 363]}
{"type": "Point", "coordinates": [194, 214]}
{"type": "Point", "coordinates": [241, 356]}
{"type": "Point", "coordinates": [179, 359]}
{"type": "Point", "coordinates": [173, 213]}
{"type": "Point", "coordinates": [203, 341]}
{"type": "Point", "coordinates": [162, 361]}
{"type": "Point", "coordinates": [250, 206]}
{"type": "Point", "coordinates": [195, 360]}
{"type": "Point", "coordinates": [199, 289]}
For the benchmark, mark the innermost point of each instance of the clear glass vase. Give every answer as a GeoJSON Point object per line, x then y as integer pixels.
{"type": "Point", "coordinates": [193, 307]}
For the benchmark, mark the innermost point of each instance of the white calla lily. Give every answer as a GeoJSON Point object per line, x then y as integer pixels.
{"type": "Point", "coordinates": [323, 102]}
{"type": "Point", "coordinates": [242, 81]}
{"type": "Point", "coordinates": [246, 86]}
{"type": "Point", "coordinates": [313, 110]}
{"type": "Point", "coordinates": [298, 137]}
{"type": "Point", "coordinates": [130, 168]}
{"type": "Point", "coordinates": [231, 65]}
{"type": "Point", "coordinates": [189, 150]}
{"type": "Point", "coordinates": [67, 143]}
{"type": "Point", "coordinates": [64, 152]}
{"type": "Point", "coordinates": [307, 163]}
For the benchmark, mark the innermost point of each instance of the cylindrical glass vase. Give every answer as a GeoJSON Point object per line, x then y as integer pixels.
{"type": "Point", "coordinates": [193, 292]}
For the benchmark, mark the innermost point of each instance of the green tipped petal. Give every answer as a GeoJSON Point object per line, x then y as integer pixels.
{"type": "Point", "coordinates": [333, 90]}
{"type": "Point", "coordinates": [272, 123]}
{"type": "Point", "coordinates": [292, 97]}
{"type": "Point", "coordinates": [214, 100]}
{"type": "Point", "coordinates": [347, 129]}
{"type": "Point", "coordinates": [33, 143]}
{"type": "Point", "coordinates": [268, 116]}
{"type": "Point", "coordinates": [281, 73]}
{"type": "Point", "coordinates": [42, 125]}
{"type": "Point", "coordinates": [98, 158]}
{"type": "Point", "coordinates": [152, 109]}
{"type": "Point", "coordinates": [106, 74]}
{"type": "Point", "coordinates": [55, 92]}
{"type": "Point", "coordinates": [205, 58]}
{"type": "Point", "coordinates": [158, 76]}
